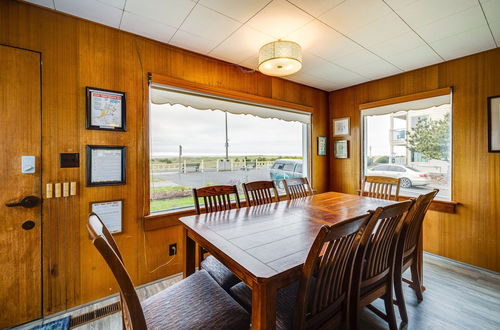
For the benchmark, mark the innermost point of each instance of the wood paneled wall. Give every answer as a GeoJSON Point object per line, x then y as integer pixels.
{"type": "Point", "coordinates": [471, 234]}
{"type": "Point", "coordinates": [77, 53]}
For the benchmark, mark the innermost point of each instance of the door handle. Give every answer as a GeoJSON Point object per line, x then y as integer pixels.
{"type": "Point", "coordinates": [27, 202]}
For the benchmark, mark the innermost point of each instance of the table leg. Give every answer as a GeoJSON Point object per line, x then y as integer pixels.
{"type": "Point", "coordinates": [189, 255]}
{"type": "Point", "coordinates": [263, 306]}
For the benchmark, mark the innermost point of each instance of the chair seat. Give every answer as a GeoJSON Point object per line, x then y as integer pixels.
{"type": "Point", "coordinates": [285, 302]}
{"type": "Point", "coordinates": [197, 302]}
{"type": "Point", "coordinates": [220, 273]}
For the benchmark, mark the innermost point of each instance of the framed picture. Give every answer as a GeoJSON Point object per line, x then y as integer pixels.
{"type": "Point", "coordinates": [105, 165]}
{"type": "Point", "coordinates": [494, 123]}
{"type": "Point", "coordinates": [342, 126]}
{"type": "Point", "coordinates": [111, 213]}
{"type": "Point", "coordinates": [321, 145]}
{"type": "Point", "coordinates": [340, 149]}
{"type": "Point", "coordinates": [105, 110]}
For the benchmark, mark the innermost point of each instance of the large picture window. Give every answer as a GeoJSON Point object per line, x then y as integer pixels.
{"type": "Point", "coordinates": [198, 140]}
{"type": "Point", "coordinates": [410, 141]}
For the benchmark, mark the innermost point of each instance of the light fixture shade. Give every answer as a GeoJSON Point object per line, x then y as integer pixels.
{"type": "Point", "coordinates": [280, 58]}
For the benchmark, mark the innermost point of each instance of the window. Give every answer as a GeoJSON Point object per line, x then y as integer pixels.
{"type": "Point", "coordinates": [200, 140]}
{"type": "Point", "coordinates": [413, 139]}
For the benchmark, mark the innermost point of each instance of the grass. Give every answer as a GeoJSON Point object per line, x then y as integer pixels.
{"type": "Point", "coordinates": [169, 188]}
{"type": "Point", "coordinates": [168, 204]}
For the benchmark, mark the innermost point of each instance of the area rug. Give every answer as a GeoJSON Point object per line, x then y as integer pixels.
{"type": "Point", "coordinates": [60, 324]}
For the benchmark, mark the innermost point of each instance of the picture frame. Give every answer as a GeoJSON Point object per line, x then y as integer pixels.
{"type": "Point", "coordinates": [341, 149]}
{"type": "Point", "coordinates": [106, 110]}
{"type": "Point", "coordinates": [342, 126]}
{"type": "Point", "coordinates": [322, 145]}
{"type": "Point", "coordinates": [110, 213]}
{"type": "Point", "coordinates": [105, 165]}
{"type": "Point", "coordinates": [494, 123]}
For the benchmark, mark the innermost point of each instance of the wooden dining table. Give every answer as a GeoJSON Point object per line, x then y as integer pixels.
{"type": "Point", "coordinates": [266, 245]}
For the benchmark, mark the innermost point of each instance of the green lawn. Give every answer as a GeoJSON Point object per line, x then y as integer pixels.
{"type": "Point", "coordinates": [169, 188]}
{"type": "Point", "coordinates": [171, 204]}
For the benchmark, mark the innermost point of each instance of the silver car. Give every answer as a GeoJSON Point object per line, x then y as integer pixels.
{"type": "Point", "coordinates": [409, 176]}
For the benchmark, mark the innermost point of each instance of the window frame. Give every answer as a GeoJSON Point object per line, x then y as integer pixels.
{"type": "Point", "coordinates": [447, 205]}
{"type": "Point", "coordinates": [217, 92]}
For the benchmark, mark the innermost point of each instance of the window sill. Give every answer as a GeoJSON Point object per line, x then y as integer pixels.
{"type": "Point", "coordinates": [166, 219]}
{"type": "Point", "coordinates": [436, 205]}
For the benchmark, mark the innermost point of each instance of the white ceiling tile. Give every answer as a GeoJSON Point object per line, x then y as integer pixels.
{"type": "Point", "coordinates": [92, 10]}
{"type": "Point", "coordinates": [414, 58]}
{"type": "Point", "coordinates": [279, 19]}
{"type": "Point", "coordinates": [401, 43]}
{"type": "Point", "coordinates": [171, 12]}
{"type": "Point", "coordinates": [321, 68]}
{"type": "Point", "coordinates": [120, 4]}
{"type": "Point", "coordinates": [356, 59]}
{"type": "Point", "coordinates": [384, 28]}
{"type": "Point", "coordinates": [252, 62]}
{"type": "Point", "coordinates": [466, 43]}
{"type": "Point", "coordinates": [377, 69]}
{"type": "Point", "coordinates": [45, 3]}
{"type": "Point", "coordinates": [307, 79]}
{"type": "Point", "coordinates": [209, 24]}
{"type": "Point", "coordinates": [147, 27]}
{"type": "Point", "coordinates": [395, 4]}
{"type": "Point", "coordinates": [423, 12]}
{"type": "Point", "coordinates": [492, 11]}
{"type": "Point", "coordinates": [240, 10]}
{"type": "Point", "coordinates": [316, 7]}
{"type": "Point", "coordinates": [454, 24]}
{"type": "Point", "coordinates": [353, 14]}
{"type": "Point", "coordinates": [192, 42]}
{"type": "Point", "coordinates": [241, 45]}
{"type": "Point", "coordinates": [495, 29]}
{"type": "Point", "coordinates": [319, 39]}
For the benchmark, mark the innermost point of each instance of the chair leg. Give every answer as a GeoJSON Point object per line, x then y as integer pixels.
{"type": "Point", "coordinates": [400, 298]}
{"type": "Point", "coordinates": [415, 278]}
{"type": "Point", "coordinates": [389, 311]}
{"type": "Point", "coordinates": [200, 256]}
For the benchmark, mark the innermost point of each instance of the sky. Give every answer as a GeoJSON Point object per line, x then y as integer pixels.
{"type": "Point", "coordinates": [202, 133]}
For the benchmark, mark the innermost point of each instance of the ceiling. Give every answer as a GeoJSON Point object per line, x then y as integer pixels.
{"type": "Point", "coordinates": [344, 42]}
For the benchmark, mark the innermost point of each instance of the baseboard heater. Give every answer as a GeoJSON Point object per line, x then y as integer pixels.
{"type": "Point", "coordinates": [95, 315]}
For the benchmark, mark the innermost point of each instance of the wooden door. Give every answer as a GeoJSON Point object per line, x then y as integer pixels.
{"type": "Point", "coordinates": [20, 227]}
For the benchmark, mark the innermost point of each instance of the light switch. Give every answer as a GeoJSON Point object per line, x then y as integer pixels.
{"type": "Point", "coordinates": [28, 164]}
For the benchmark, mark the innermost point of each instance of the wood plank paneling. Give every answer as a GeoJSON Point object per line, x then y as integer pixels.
{"type": "Point", "coordinates": [78, 53]}
{"type": "Point", "coordinates": [471, 234]}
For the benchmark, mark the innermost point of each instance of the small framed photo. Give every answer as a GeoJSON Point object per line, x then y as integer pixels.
{"type": "Point", "coordinates": [111, 214]}
{"type": "Point", "coordinates": [105, 110]}
{"type": "Point", "coordinates": [341, 149]}
{"type": "Point", "coordinates": [321, 145]}
{"type": "Point", "coordinates": [494, 123]}
{"type": "Point", "coordinates": [105, 166]}
{"type": "Point", "coordinates": [342, 126]}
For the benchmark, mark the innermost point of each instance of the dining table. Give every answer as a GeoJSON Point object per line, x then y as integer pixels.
{"type": "Point", "coordinates": [267, 245]}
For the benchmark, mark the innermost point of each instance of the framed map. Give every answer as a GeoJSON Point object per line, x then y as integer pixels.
{"type": "Point", "coordinates": [105, 109]}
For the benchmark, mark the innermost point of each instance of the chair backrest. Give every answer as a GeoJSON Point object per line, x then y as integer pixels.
{"type": "Point", "coordinates": [132, 314]}
{"type": "Point", "coordinates": [260, 192]}
{"type": "Point", "coordinates": [380, 187]}
{"type": "Point", "coordinates": [379, 243]}
{"type": "Point", "coordinates": [322, 298]}
{"type": "Point", "coordinates": [216, 198]}
{"type": "Point", "coordinates": [412, 227]}
{"type": "Point", "coordinates": [297, 188]}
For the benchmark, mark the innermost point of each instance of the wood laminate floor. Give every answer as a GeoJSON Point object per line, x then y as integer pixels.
{"type": "Point", "coordinates": [457, 297]}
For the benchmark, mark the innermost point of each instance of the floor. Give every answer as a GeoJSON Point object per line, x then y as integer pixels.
{"type": "Point", "coordinates": [457, 297]}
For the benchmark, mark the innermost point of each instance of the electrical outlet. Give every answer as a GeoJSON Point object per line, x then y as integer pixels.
{"type": "Point", "coordinates": [172, 249]}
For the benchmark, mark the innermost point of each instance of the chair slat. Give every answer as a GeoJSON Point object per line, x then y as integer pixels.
{"type": "Point", "coordinates": [380, 187]}
{"type": "Point", "coordinates": [260, 192]}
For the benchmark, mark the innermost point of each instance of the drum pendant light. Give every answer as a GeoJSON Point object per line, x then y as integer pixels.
{"type": "Point", "coordinates": [280, 58]}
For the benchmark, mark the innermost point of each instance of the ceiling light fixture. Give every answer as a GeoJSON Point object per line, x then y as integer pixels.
{"type": "Point", "coordinates": [280, 58]}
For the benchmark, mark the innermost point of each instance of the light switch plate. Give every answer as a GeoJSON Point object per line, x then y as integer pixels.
{"type": "Point", "coordinates": [28, 164]}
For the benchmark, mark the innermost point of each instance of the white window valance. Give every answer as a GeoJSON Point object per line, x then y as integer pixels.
{"type": "Point", "coordinates": [160, 94]}
{"type": "Point", "coordinates": [421, 104]}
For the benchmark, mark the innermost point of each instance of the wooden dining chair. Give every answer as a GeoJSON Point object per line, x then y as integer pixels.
{"type": "Point", "coordinates": [297, 188]}
{"type": "Point", "coordinates": [380, 187]}
{"type": "Point", "coordinates": [373, 274]}
{"type": "Point", "coordinates": [319, 300]}
{"type": "Point", "coordinates": [408, 252]}
{"type": "Point", "coordinates": [260, 192]}
{"type": "Point", "coordinates": [197, 296]}
{"type": "Point", "coordinates": [216, 198]}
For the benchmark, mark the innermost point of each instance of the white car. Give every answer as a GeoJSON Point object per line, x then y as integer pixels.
{"type": "Point", "coordinates": [409, 176]}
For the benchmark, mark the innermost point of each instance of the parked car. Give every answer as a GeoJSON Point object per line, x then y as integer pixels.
{"type": "Point", "coordinates": [409, 176]}
{"type": "Point", "coordinates": [285, 169]}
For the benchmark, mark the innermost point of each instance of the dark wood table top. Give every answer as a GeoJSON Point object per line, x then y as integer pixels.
{"type": "Point", "coordinates": [270, 239]}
